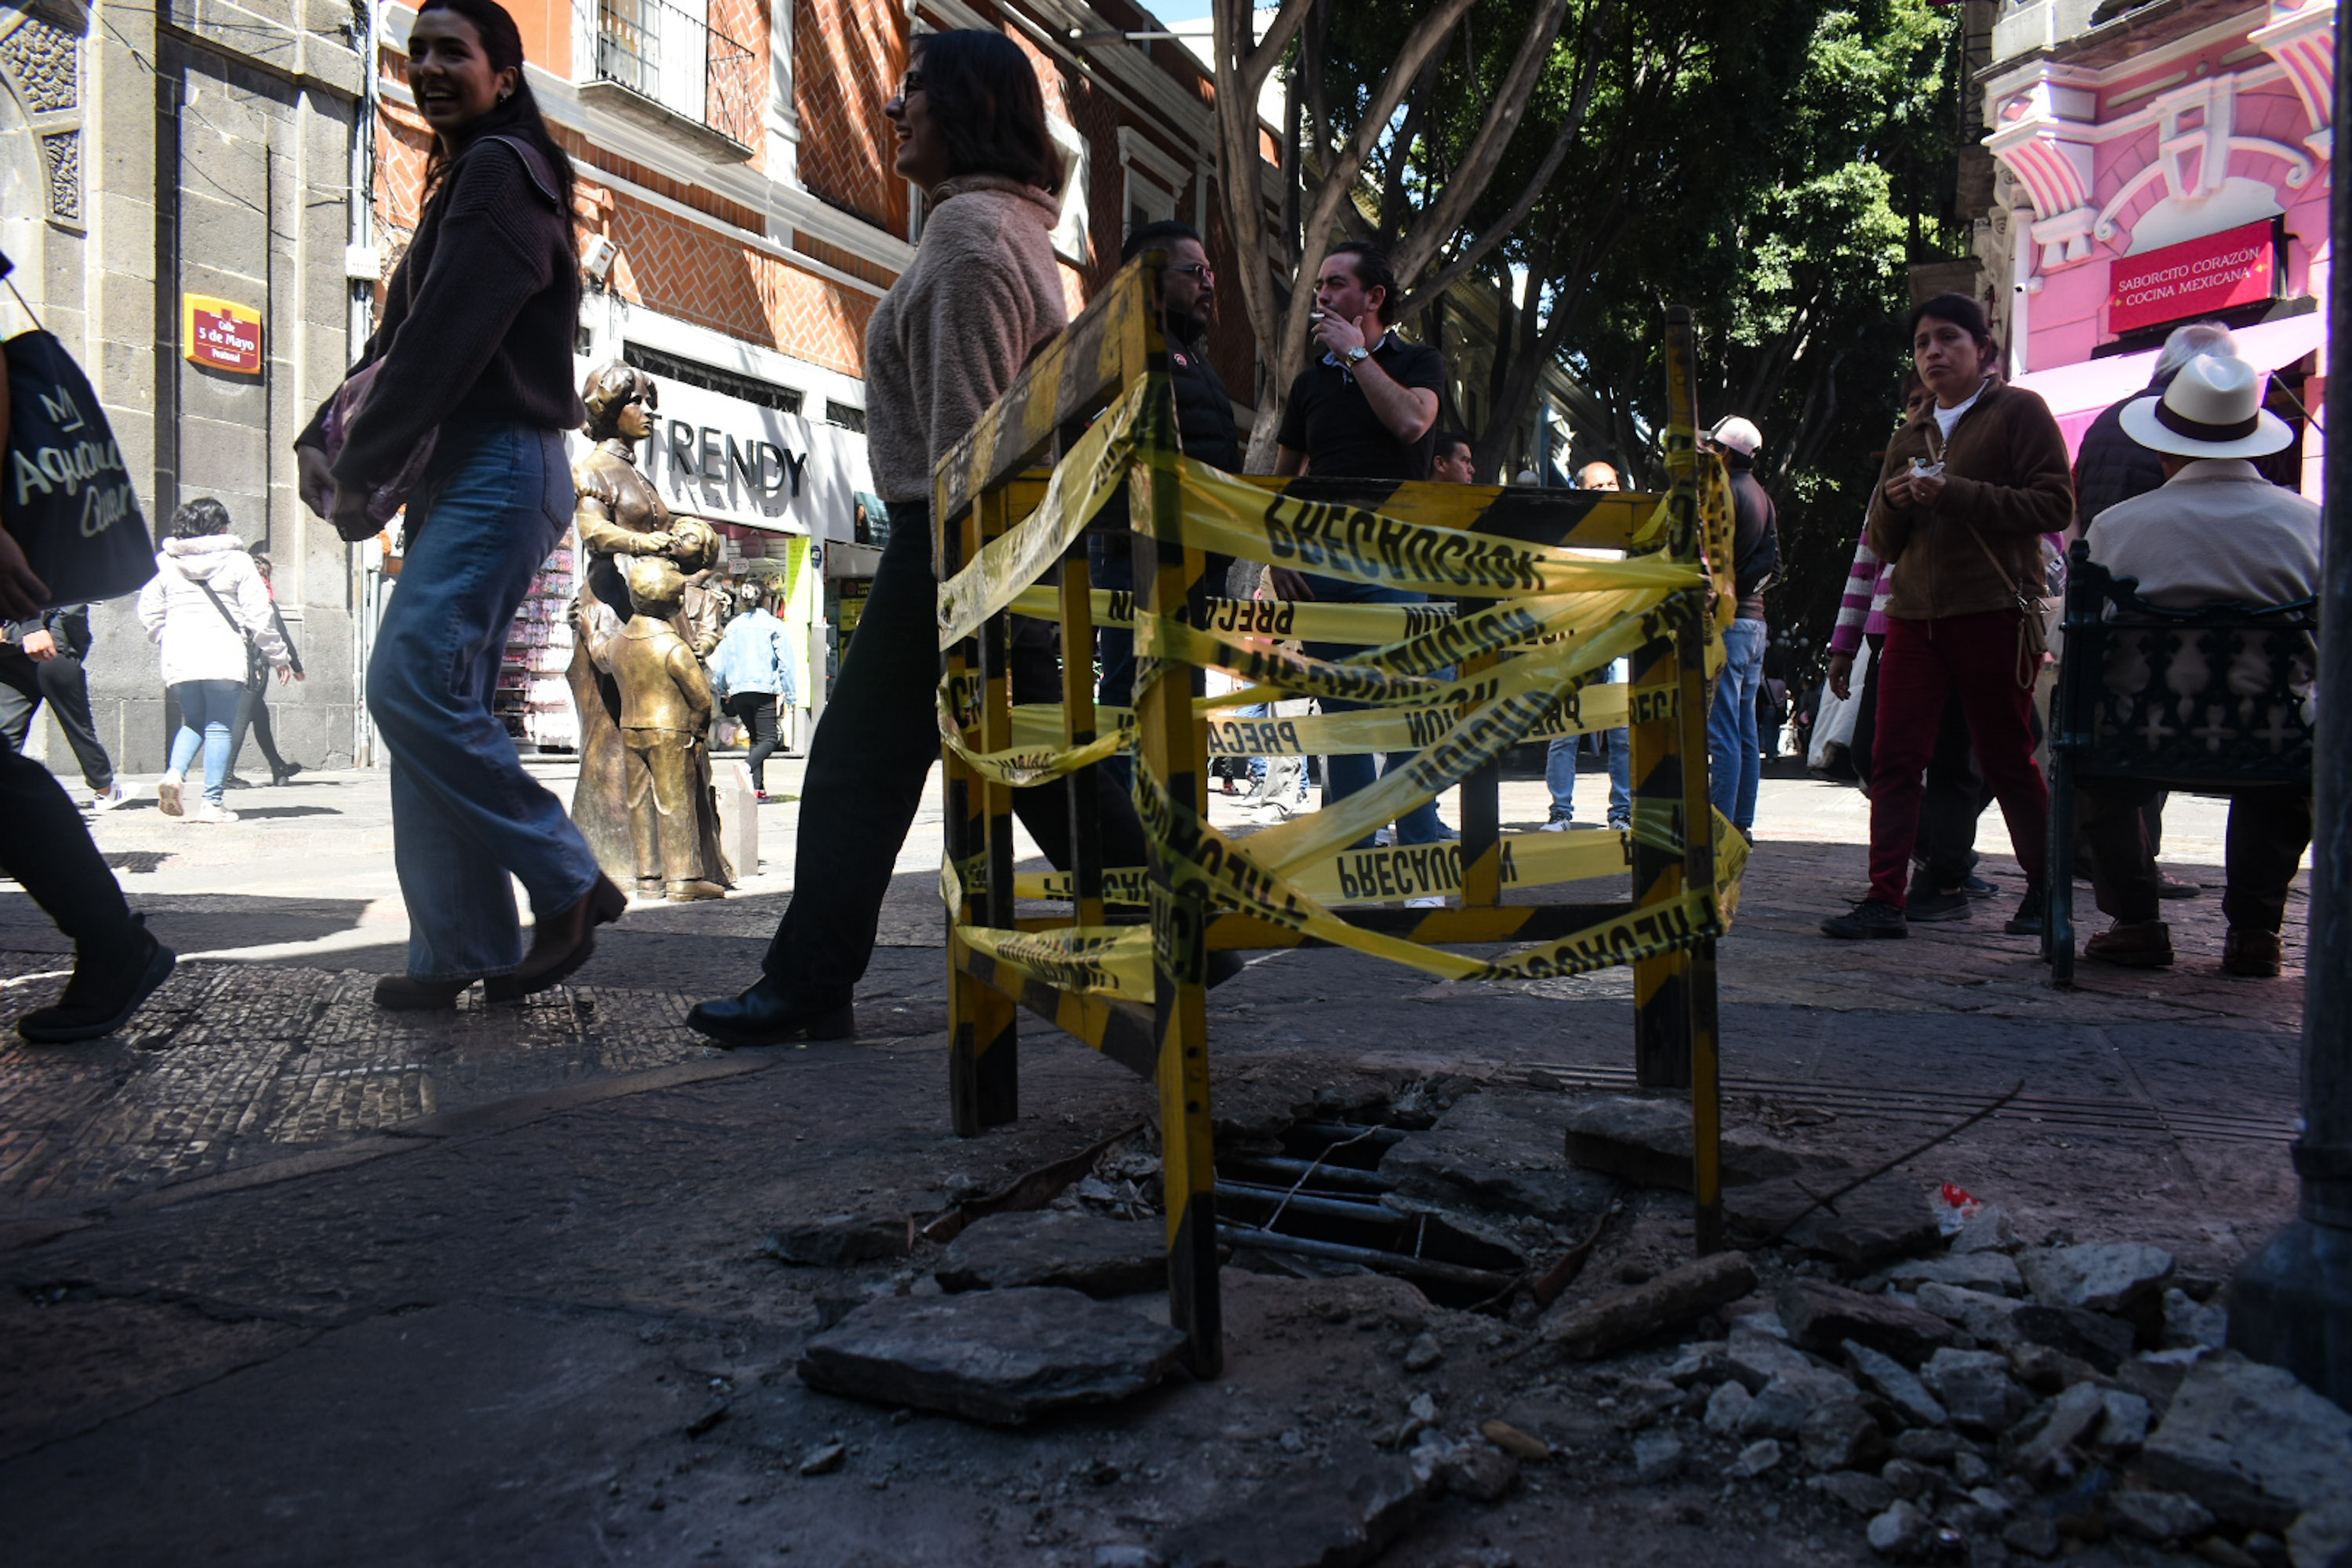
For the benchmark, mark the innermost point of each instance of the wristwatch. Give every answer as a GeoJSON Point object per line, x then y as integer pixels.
{"type": "Point", "coordinates": [1358, 354]}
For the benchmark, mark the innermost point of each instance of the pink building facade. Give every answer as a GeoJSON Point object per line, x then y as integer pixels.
{"type": "Point", "coordinates": [2169, 165]}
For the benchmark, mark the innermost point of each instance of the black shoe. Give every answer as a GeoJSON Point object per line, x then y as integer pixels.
{"type": "Point", "coordinates": [233, 781]}
{"type": "Point", "coordinates": [286, 773]}
{"type": "Point", "coordinates": [102, 995]}
{"type": "Point", "coordinates": [2027, 921]}
{"type": "Point", "coordinates": [1976, 886]}
{"type": "Point", "coordinates": [1929, 904]}
{"type": "Point", "coordinates": [1867, 919]}
{"type": "Point", "coordinates": [402, 993]}
{"type": "Point", "coordinates": [766, 1015]}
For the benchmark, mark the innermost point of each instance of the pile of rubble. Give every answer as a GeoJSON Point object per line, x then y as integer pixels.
{"type": "Point", "coordinates": [1958, 1395]}
{"type": "Point", "coordinates": [1972, 1396]}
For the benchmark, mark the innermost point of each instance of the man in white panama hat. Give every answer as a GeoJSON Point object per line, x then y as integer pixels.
{"type": "Point", "coordinates": [2215, 531]}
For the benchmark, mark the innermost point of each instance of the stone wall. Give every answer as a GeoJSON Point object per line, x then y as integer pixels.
{"type": "Point", "coordinates": [214, 156]}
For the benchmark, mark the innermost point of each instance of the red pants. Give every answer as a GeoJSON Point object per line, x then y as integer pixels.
{"type": "Point", "coordinates": [1924, 663]}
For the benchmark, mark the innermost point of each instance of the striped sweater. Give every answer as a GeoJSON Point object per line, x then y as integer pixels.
{"type": "Point", "coordinates": [1862, 611]}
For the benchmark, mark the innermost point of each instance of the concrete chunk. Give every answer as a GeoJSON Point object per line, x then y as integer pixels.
{"type": "Point", "coordinates": [1501, 1153]}
{"type": "Point", "coordinates": [1647, 1140]}
{"type": "Point", "coordinates": [2106, 1277]}
{"type": "Point", "coordinates": [1895, 1383]}
{"type": "Point", "coordinates": [1976, 1388]}
{"type": "Point", "coordinates": [1052, 1247]}
{"type": "Point", "coordinates": [2250, 1443]}
{"type": "Point", "coordinates": [1991, 1272]}
{"type": "Point", "coordinates": [1000, 1356]}
{"type": "Point", "coordinates": [1873, 1225]}
{"type": "Point", "coordinates": [1988, 1319]}
{"type": "Point", "coordinates": [1821, 1316]}
{"type": "Point", "coordinates": [1340, 1514]}
{"type": "Point", "coordinates": [1612, 1322]}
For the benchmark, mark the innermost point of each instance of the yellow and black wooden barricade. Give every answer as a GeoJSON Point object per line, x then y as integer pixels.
{"type": "Point", "coordinates": [1520, 651]}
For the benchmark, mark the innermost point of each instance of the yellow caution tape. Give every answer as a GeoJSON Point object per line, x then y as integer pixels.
{"type": "Point", "coordinates": [1301, 619]}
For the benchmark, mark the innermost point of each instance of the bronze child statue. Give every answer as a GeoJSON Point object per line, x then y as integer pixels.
{"type": "Point", "coordinates": [664, 719]}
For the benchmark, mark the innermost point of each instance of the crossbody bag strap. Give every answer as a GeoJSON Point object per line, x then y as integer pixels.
{"type": "Point", "coordinates": [2031, 644]}
{"type": "Point", "coordinates": [234, 624]}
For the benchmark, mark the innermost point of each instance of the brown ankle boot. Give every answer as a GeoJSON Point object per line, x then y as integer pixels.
{"type": "Point", "coordinates": [563, 942]}
{"type": "Point", "coordinates": [2252, 955]}
{"type": "Point", "coordinates": [2135, 944]}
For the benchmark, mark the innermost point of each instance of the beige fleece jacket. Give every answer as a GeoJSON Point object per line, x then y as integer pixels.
{"type": "Point", "coordinates": [957, 327]}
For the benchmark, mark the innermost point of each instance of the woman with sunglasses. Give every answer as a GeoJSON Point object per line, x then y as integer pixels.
{"type": "Point", "coordinates": [982, 295]}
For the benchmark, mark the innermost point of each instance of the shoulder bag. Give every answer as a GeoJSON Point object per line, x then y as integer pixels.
{"type": "Point", "coordinates": [350, 401]}
{"type": "Point", "coordinates": [66, 496]}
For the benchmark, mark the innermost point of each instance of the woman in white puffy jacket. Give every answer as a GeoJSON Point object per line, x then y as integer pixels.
{"type": "Point", "coordinates": [205, 606]}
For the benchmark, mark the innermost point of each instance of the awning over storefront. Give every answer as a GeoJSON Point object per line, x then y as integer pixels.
{"type": "Point", "coordinates": [2079, 393]}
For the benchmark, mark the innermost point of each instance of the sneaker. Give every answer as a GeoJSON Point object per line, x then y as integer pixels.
{"type": "Point", "coordinates": [109, 797]}
{"type": "Point", "coordinates": [2132, 945]}
{"type": "Point", "coordinates": [2253, 954]}
{"type": "Point", "coordinates": [2027, 921]}
{"type": "Point", "coordinates": [1976, 886]}
{"type": "Point", "coordinates": [1432, 902]}
{"type": "Point", "coordinates": [1867, 919]}
{"type": "Point", "coordinates": [233, 781]}
{"type": "Point", "coordinates": [1384, 839]}
{"type": "Point", "coordinates": [1932, 904]}
{"type": "Point", "coordinates": [285, 775]}
{"type": "Point", "coordinates": [1621, 825]}
{"type": "Point", "coordinates": [211, 811]}
{"type": "Point", "coordinates": [2169, 885]}
{"type": "Point", "coordinates": [167, 795]}
{"type": "Point", "coordinates": [1556, 824]}
{"type": "Point", "coordinates": [102, 995]}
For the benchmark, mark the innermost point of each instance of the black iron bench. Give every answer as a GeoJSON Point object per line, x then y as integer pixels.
{"type": "Point", "coordinates": [2211, 738]}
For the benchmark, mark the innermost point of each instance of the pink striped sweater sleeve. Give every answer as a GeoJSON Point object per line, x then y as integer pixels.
{"type": "Point", "coordinates": [1855, 609]}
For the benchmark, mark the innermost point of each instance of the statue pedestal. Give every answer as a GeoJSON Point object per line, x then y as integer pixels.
{"type": "Point", "coordinates": [739, 813]}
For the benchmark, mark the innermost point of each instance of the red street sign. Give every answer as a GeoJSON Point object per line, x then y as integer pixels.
{"type": "Point", "coordinates": [222, 334]}
{"type": "Point", "coordinates": [2195, 277]}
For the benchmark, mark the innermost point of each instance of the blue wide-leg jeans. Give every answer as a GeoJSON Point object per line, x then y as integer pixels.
{"type": "Point", "coordinates": [465, 814]}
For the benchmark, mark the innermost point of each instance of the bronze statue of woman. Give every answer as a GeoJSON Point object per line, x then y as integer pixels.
{"type": "Point", "coordinates": [620, 516]}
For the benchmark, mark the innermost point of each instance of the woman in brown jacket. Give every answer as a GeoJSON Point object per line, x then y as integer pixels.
{"type": "Point", "coordinates": [1969, 488]}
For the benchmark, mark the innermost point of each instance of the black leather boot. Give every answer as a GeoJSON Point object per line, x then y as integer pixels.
{"type": "Point", "coordinates": [767, 1014]}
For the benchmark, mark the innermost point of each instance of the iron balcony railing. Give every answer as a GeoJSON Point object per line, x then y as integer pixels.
{"type": "Point", "coordinates": [671, 57]}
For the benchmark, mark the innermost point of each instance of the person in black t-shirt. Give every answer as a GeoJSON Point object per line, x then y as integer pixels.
{"type": "Point", "coordinates": [1367, 409]}
{"type": "Point", "coordinates": [1204, 422]}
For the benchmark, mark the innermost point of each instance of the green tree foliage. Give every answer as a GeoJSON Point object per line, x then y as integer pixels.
{"type": "Point", "coordinates": [1777, 165]}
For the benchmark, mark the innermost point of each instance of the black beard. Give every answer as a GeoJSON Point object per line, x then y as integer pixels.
{"type": "Point", "coordinates": [1184, 325]}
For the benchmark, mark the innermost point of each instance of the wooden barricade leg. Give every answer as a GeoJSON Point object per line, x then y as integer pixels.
{"type": "Point", "coordinates": [1697, 981]}
{"type": "Point", "coordinates": [1171, 747]}
{"type": "Point", "coordinates": [983, 1069]}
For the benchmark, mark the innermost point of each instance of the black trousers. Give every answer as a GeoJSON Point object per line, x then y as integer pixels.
{"type": "Point", "coordinates": [253, 713]}
{"type": "Point", "coordinates": [866, 764]}
{"type": "Point", "coordinates": [2270, 827]}
{"type": "Point", "coordinates": [26, 682]}
{"type": "Point", "coordinates": [756, 711]}
{"type": "Point", "coordinates": [46, 847]}
{"type": "Point", "coordinates": [1956, 796]}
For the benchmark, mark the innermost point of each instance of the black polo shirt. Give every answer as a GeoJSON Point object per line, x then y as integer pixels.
{"type": "Point", "coordinates": [1330, 420]}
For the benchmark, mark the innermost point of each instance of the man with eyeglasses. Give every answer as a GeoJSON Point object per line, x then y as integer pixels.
{"type": "Point", "coordinates": [1365, 409]}
{"type": "Point", "coordinates": [1204, 420]}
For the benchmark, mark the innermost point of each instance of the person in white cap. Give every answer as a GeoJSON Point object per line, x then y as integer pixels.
{"type": "Point", "coordinates": [2215, 531]}
{"type": "Point", "coordinates": [1734, 759]}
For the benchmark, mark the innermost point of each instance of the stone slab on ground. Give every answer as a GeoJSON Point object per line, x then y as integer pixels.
{"type": "Point", "coordinates": [1821, 1317]}
{"type": "Point", "coordinates": [1599, 1327]}
{"type": "Point", "coordinates": [1871, 1226]}
{"type": "Point", "coordinates": [1647, 1140]}
{"type": "Point", "coordinates": [1086, 1252]}
{"type": "Point", "coordinates": [2251, 1443]}
{"type": "Point", "coordinates": [829, 1241]}
{"type": "Point", "coordinates": [1341, 1515]}
{"type": "Point", "coordinates": [1005, 1357]}
{"type": "Point", "coordinates": [1502, 1152]}
{"type": "Point", "coordinates": [2104, 1276]}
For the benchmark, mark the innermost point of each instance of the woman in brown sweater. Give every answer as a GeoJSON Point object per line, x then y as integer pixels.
{"type": "Point", "coordinates": [474, 341]}
{"type": "Point", "coordinates": [982, 295]}
{"type": "Point", "coordinates": [1969, 487]}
